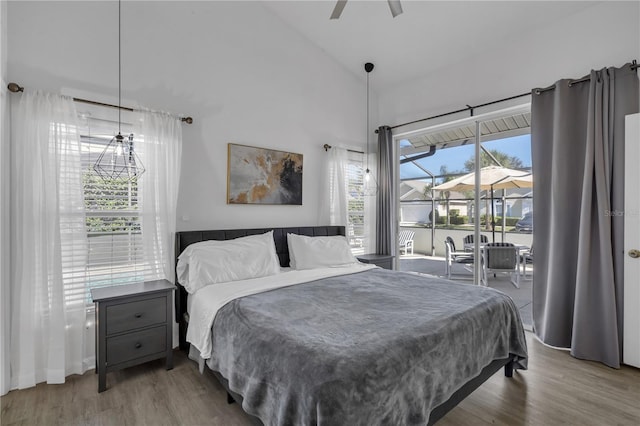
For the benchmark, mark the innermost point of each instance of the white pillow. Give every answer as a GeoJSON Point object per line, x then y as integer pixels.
{"type": "Point", "coordinates": [319, 252]}
{"type": "Point", "coordinates": [212, 261]}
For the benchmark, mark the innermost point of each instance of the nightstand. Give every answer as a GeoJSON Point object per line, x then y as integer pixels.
{"type": "Point", "coordinates": [381, 260]}
{"type": "Point", "coordinates": [133, 326]}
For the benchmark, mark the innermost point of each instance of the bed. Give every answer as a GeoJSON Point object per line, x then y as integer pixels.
{"type": "Point", "coordinates": [350, 345]}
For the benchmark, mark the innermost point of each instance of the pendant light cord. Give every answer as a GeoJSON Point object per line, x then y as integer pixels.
{"type": "Point", "coordinates": [367, 170]}
{"type": "Point", "coordinates": [119, 71]}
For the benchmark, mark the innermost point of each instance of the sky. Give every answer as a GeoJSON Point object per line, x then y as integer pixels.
{"type": "Point", "coordinates": [454, 158]}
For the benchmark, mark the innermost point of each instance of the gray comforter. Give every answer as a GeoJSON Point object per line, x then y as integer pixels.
{"type": "Point", "coordinates": [372, 348]}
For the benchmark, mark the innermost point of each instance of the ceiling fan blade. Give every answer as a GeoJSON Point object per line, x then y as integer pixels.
{"type": "Point", "coordinates": [337, 11]}
{"type": "Point", "coordinates": [395, 6]}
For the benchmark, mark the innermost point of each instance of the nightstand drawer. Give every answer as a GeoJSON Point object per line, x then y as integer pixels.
{"type": "Point", "coordinates": [133, 315]}
{"type": "Point", "coordinates": [127, 347]}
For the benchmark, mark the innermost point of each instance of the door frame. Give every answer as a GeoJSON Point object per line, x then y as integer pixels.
{"type": "Point", "coordinates": [631, 318]}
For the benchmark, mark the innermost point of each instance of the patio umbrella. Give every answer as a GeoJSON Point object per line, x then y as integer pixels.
{"type": "Point", "coordinates": [491, 178]}
{"type": "Point", "coordinates": [509, 182]}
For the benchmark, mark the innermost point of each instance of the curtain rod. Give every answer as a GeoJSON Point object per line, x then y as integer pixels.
{"type": "Point", "coordinates": [468, 108]}
{"type": "Point", "coordinates": [327, 147]}
{"type": "Point", "coordinates": [15, 88]}
{"type": "Point", "coordinates": [634, 66]}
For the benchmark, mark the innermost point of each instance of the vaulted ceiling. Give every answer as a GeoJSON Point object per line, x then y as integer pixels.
{"type": "Point", "coordinates": [428, 36]}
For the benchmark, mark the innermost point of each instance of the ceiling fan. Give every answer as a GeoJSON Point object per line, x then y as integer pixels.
{"type": "Point", "coordinates": [394, 5]}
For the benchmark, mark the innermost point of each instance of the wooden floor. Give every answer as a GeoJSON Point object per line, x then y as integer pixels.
{"type": "Point", "coordinates": [557, 389]}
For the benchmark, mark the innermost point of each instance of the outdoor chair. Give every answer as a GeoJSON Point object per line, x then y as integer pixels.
{"type": "Point", "coordinates": [452, 256]}
{"type": "Point", "coordinates": [501, 258]}
{"type": "Point", "coordinates": [405, 241]}
{"type": "Point", "coordinates": [468, 241]}
{"type": "Point", "coordinates": [526, 257]}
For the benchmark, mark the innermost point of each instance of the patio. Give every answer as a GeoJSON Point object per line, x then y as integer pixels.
{"type": "Point", "coordinates": [436, 266]}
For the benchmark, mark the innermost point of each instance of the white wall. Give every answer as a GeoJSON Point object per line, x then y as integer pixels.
{"type": "Point", "coordinates": [606, 34]}
{"type": "Point", "coordinates": [4, 207]}
{"type": "Point", "coordinates": [247, 78]}
{"type": "Point", "coordinates": [233, 66]}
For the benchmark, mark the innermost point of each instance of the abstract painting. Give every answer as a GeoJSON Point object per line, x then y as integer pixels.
{"type": "Point", "coordinates": [263, 176]}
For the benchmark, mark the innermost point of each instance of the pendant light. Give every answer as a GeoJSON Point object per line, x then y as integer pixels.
{"type": "Point", "coordinates": [370, 186]}
{"type": "Point", "coordinates": [118, 161]}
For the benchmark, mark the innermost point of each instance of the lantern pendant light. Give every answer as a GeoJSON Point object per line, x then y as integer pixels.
{"type": "Point", "coordinates": [119, 161]}
{"type": "Point", "coordinates": [370, 186]}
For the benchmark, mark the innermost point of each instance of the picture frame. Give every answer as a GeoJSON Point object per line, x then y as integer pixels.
{"type": "Point", "coordinates": [263, 176]}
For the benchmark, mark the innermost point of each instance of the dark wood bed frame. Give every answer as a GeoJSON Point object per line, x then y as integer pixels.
{"type": "Point", "coordinates": [185, 238]}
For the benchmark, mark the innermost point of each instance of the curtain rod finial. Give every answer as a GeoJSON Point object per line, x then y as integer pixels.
{"type": "Point", "coordinates": [15, 88]}
{"type": "Point", "coordinates": [326, 146]}
{"type": "Point", "coordinates": [187, 120]}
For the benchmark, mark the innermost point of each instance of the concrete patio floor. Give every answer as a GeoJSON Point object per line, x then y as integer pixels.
{"type": "Point", "coordinates": [522, 296]}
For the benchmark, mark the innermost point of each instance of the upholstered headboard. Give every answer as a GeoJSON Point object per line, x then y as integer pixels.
{"type": "Point", "coordinates": [185, 238]}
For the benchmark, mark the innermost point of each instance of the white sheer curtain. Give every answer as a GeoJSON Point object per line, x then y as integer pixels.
{"type": "Point", "coordinates": [161, 154]}
{"type": "Point", "coordinates": [334, 200]}
{"type": "Point", "coordinates": [48, 230]}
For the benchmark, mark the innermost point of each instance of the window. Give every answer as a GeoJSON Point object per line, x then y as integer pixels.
{"type": "Point", "coordinates": [355, 202]}
{"type": "Point", "coordinates": [114, 253]}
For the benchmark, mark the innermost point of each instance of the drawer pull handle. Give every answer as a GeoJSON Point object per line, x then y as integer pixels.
{"type": "Point", "coordinates": [138, 315]}
{"type": "Point", "coordinates": [138, 345]}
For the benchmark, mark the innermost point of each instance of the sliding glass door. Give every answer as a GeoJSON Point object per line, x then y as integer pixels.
{"type": "Point", "coordinates": [467, 181]}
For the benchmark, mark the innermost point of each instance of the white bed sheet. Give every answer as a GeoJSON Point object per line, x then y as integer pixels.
{"type": "Point", "coordinates": [190, 297]}
{"type": "Point", "coordinates": [206, 302]}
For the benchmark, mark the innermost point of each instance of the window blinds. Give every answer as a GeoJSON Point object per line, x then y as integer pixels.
{"type": "Point", "coordinates": [355, 202]}
{"type": "Point", "coordinates": [114, 244]}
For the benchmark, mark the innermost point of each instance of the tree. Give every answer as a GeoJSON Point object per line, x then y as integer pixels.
{"type": "Point", "coordinates": [426, 192]}
{"type": "Point", "coordinates": [447, 174]}
{"type": "Point", "coordinates": [504, 159]}
{"type": "Point", "coordinates": [104, 198]}
{"type": "Point", "coordinates": [446, 177]}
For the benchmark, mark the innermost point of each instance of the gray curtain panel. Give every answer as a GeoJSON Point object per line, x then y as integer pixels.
{"type": "Point", "coordinates": [577, 142]}
{"type": "Point", "coordinates": [386, 206]}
